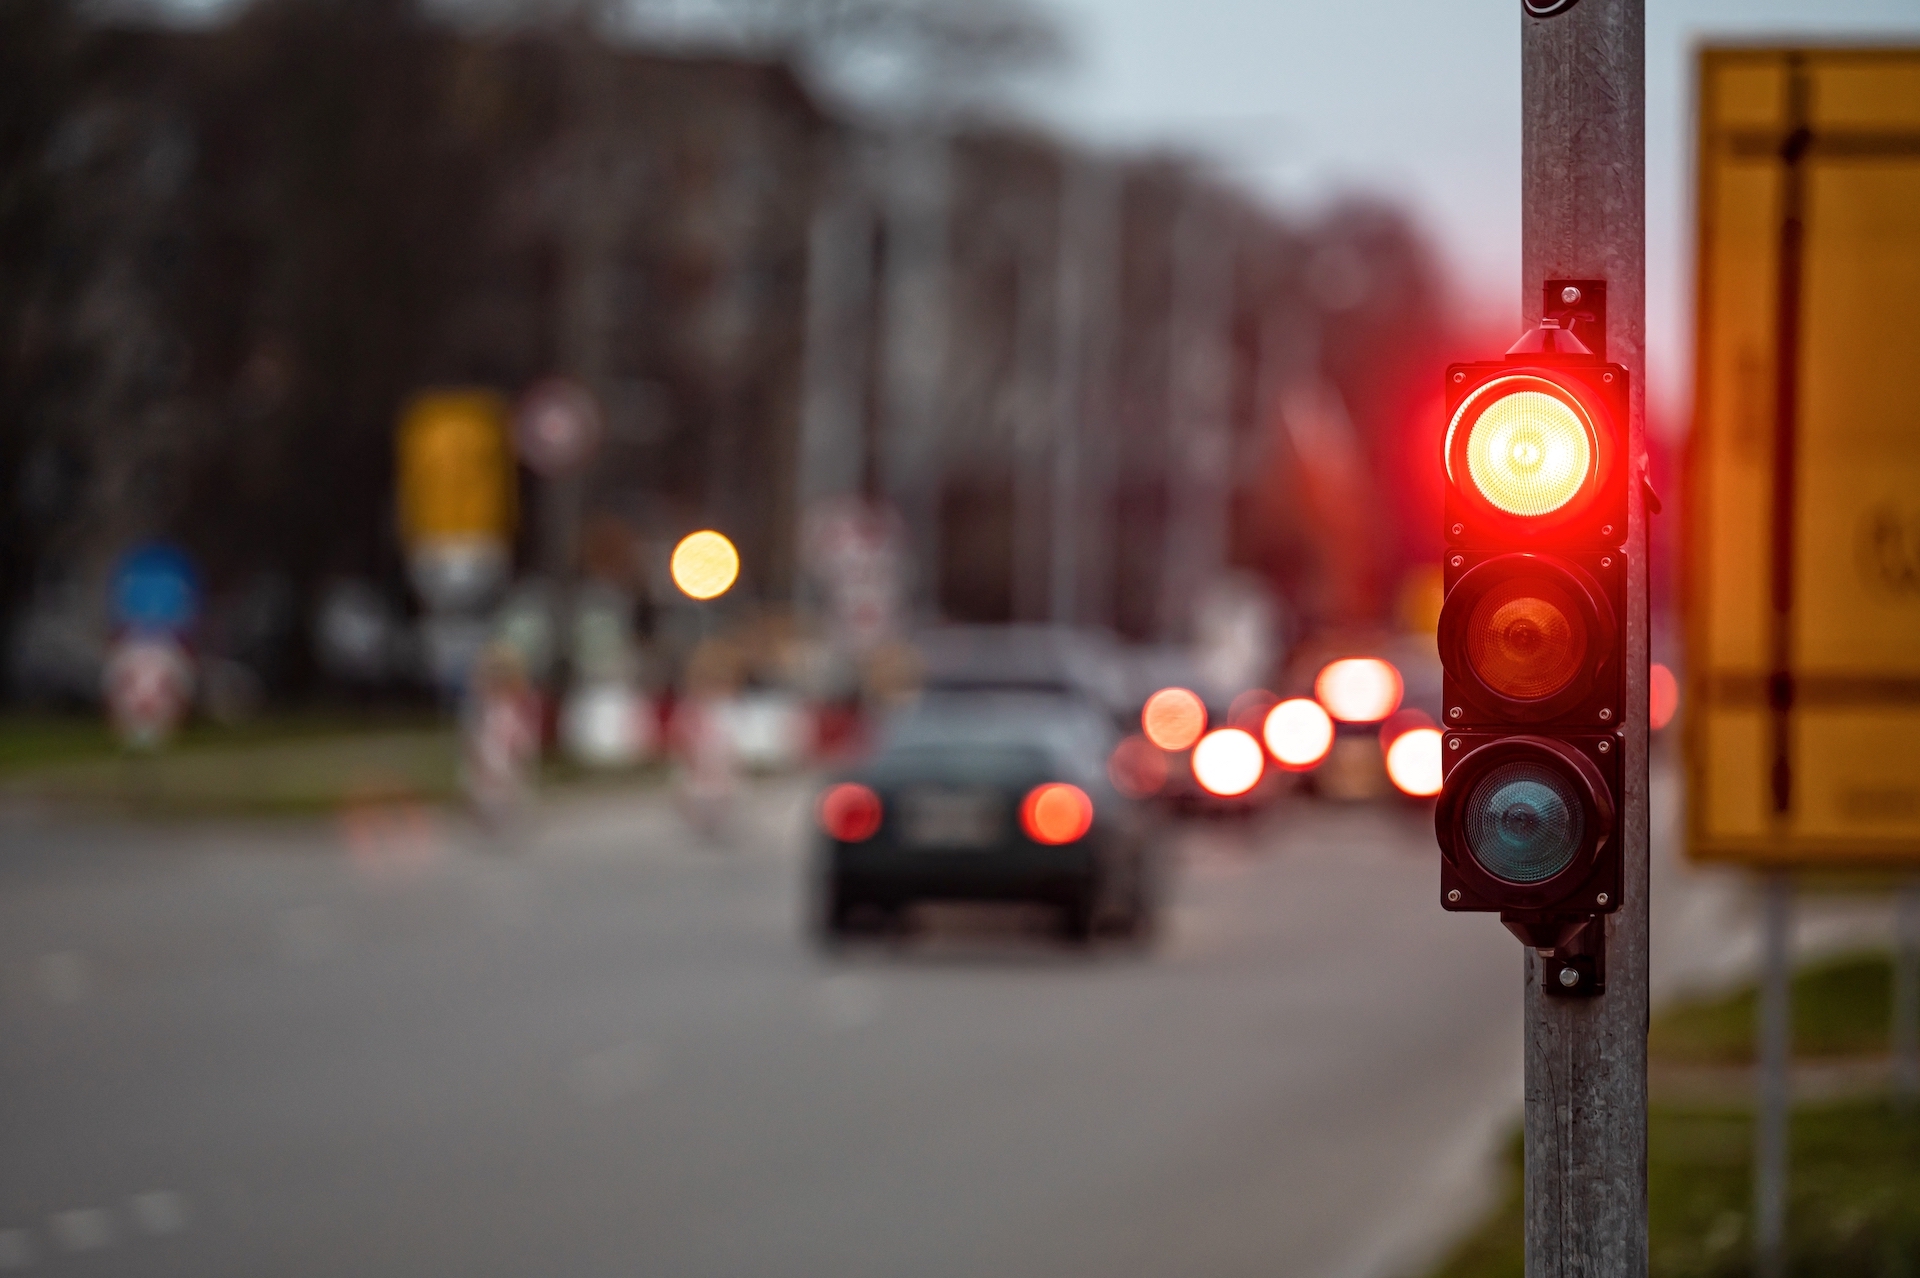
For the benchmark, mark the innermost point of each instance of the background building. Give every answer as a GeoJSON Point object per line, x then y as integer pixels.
{"type": "Point", "coordinates": [1089, 385]}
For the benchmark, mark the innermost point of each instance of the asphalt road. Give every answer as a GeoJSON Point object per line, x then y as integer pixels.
{"type": "Point", "coordinates": [387, 1047]}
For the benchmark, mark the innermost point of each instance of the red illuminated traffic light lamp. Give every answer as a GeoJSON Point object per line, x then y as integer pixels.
{"type": "Point", "coordinates": [1532, 636]}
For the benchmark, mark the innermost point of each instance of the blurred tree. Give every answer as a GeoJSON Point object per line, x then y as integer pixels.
{"type": "Point", "coordinates": [40, 48]}
{"type": "Point", "coordinates": [896, 58]}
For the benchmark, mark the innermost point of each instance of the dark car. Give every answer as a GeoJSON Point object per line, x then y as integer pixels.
{"type": "Point", "coordinates": [987, 796]}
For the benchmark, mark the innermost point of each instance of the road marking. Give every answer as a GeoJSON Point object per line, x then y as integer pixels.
{"type": "Point", "coordinates": [389, 841]}
{"type": "Point", "coordinates": [307, 934]}
{"type": "Point", "coordinates": [62, 976]}
{"type": "Point", "coordinates": [613, 1073]}
{"type": "Point", "coordinates": [849, 1001]}
{"type": "Point", "coordinates": [82, 1229]}
{"type": "Point", "coordinates": [160, 1211]}
{"type": "Point", "coordinates": [16, 1251]}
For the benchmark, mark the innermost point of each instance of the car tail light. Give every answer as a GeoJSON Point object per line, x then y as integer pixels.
{"type": "Point", "coordinates": [1056, 813]}
{"type": "Point", "coordinates": [1413, 762]}
{"type": "Point", "coordinates": [1228, 762]}
{"type": "Point", "coordinates": [1174, 718]}
{"type": "Point", "coordinates": [1359, 689]}
{"type": "Point", "coordinates": [1137, 768]}
{"type": "Point", "coordinates": [850, 812]}
{"type": "Point", "coordinates": [1299, 734]}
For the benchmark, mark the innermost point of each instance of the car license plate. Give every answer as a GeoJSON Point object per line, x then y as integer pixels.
{"type": "Point", "coordinates": [951, 819]}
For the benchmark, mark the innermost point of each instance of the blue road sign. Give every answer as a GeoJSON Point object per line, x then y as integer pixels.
{"type": "Point", "coordinates": [155, 589]}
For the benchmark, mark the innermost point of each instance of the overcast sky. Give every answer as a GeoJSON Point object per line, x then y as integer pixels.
{"type": "Point", "coordinates": [1416, 99]}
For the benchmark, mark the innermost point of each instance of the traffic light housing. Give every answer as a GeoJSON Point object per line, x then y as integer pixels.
{"type": "Point", "coordinates": [1532, 635]}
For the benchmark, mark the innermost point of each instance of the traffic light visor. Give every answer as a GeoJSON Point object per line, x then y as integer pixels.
{"type": "Point", "coordinates": [1528, 451]}
{"type": "Point", "coordinates": [1527, 638]}
{"type": "Point", "coordinates": [1524, 822]}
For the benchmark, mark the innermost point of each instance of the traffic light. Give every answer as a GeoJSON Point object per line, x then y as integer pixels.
{"type": "Point", "coordinates": [1532, 636]}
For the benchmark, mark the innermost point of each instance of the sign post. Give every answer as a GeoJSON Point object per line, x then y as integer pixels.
{"type": "Point", "coordinates": [1583, 184]}
{"type": "Point", "coordinates": [148, 678]}
{"type": "Point", "coordinates": [454, 486]}
{"type": "Point", "coordinates": [556, 431]}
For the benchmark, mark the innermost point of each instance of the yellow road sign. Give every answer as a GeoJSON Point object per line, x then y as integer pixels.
{"type": "Point", "coordinates": [1802, 570]}
{"type": "Point", "coordinates": [456, 476]}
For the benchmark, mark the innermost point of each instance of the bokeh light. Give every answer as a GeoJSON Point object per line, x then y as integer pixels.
{"type": "Point", "coordinates": [1663, 696]}
{"type": "Point", "coordinates": [1174, 718]}
{"type": "Point", "coordinates": [705, 565]}
{"type": "Point", "coordinates": [850, 812]}
{"type": "Point", "coordinates": [1359, 689]}
{"type": "Point", "coordinates": [1056, 813]}
{"type": "Point", "coordinates": [1228, 762]}
{"type": "Point", "coordinates": [1137, 768]}
{"type": "Point", "coordinates": [1413, 762]}
{"type": "Point", "coordinates": [1249, 710]}
{"type": "Point", "coordinates": [1299, 734]}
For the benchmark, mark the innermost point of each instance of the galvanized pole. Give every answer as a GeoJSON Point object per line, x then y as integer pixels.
{"type": "Point", "coordinates": [834, 374]}
{"type": "Point", "coordinates": [1583, 196]}
{"type": "Point", "coordinates": [1906, 995]}
{"type": "Point", "coordinates": [1081, 189]}
{"type": "Point", "coordinates": [915, 323]}
{"type": "Point", "coordinates": [1098, 458]}
{"type": "Point", "coordinates": [1035, 367]}
{"type": "Point", "coordinates": [1198, 439]}
{"type": "Point", "coordinates": [1775, 1043]}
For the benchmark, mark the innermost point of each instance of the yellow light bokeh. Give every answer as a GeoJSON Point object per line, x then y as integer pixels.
{"type": "Point", "coordinates": [705, 565]}
{"type": "Point", "coordinates": [1529, 453]}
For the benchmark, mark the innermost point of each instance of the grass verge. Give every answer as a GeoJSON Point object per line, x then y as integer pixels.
{"type": "Point", "coordinates": [1854, 1192]}
{"type": "Point", "coordinates": [1841, 1007]}
{"type": "Point", "coordinates": [1854, 1198]}
{"type": "Point", "coordinates": [283, 765]}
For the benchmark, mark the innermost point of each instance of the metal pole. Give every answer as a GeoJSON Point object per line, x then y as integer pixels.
{"type": "Point", "coordinates": [1770, 1120]}
{"type": "Point", "coordinates": [1583, 193]}
{"type": "Point", "coordinates": [1906, 994]}
{"type": "Point", "coordinates": [1099, 461]}
{"type": "Point", "coordinates": [1197, 428]}
{"type": "Point", "coordinates": [1081, 204]}
{"type": "Point", "coordinates": [839, 305]}
{"type": "Point", "coordinates": [593, 234]}
{"type": "Point", "coordinates": [915, 322]}
{"type": "Point", "coordinates": [1034, 434]}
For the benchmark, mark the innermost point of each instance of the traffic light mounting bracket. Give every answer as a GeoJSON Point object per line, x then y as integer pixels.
{"type": "Point", "coordinates": [1572, 950]}
{"type": "Point", "coordinates": [1581, 302]}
